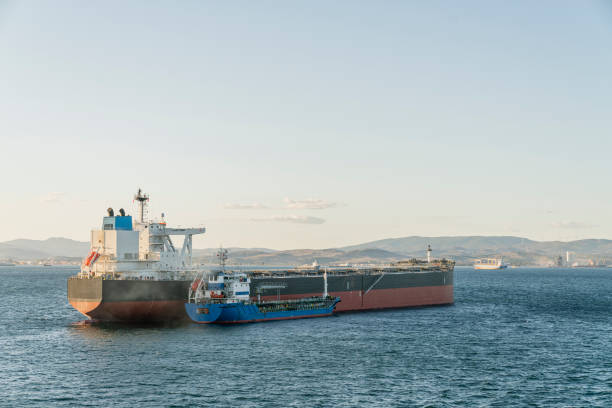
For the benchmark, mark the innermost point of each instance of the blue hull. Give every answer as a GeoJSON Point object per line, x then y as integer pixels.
{"type": "Point", "coordinates": [227, 313]}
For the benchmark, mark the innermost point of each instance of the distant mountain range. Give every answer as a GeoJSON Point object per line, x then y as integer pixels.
{"type": "Point", "coordinates": [515, 250]}
{"type": "Point", "coordinates": [31, 249]}
{"type": "Point", "coordinates": [301, 256]}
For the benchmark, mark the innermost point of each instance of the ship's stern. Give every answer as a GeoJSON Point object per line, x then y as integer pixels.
{"type": "Point", "coordinates": [85, 295]}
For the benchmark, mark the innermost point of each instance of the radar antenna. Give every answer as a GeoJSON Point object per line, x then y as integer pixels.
{"type": "Point", "coordinates": [142, 199]}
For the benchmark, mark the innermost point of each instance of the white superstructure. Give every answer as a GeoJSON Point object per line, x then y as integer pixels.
{"type": "Point", "coordinates": [232, 287]}
{"type": "Point", "coordinates": [221, 286]}
{"type": "Point", "coordinates": [140, 249]}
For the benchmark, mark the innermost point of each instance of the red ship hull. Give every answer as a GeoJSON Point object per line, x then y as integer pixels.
{"type": "Point", "coordinates": [385, 298]}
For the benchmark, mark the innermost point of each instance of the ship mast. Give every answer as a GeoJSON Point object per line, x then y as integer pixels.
{"type": "Point", "coordinates": [222, 255]}
{"type": "Point", "coordinates": [325, 283]}
{"type": "Point", "coordinates": [142, 199]}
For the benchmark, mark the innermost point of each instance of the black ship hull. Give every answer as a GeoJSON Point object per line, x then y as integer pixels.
{"type": "Point", "coordinates": [151, 300]}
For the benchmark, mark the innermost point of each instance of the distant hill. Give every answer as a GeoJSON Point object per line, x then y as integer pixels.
{"type": "Point", "coordinates": [30, 249]}
{"type": "Point", "coordinates": [416, 245]}
{"type": "Point", "coordinates": [306, 256]}
{"type": "Point", "coordinates": [515, 250]}
{"type": "Point", "coordinates": [212, 252]}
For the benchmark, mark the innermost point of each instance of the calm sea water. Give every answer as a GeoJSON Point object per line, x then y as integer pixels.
{"type": "Point", "coordinates": [519, 337]}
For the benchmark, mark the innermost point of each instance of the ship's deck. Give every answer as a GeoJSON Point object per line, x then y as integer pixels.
{"type": "Point", "coordinates": [412, 266]}
{"type": "Point", "coordinates": [352, 270]}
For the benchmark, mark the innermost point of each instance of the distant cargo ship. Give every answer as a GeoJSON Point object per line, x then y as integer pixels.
{"type": "Point", "coordinates": [490, 263]}
{"type": "Point", "coordinates": [134, 272]}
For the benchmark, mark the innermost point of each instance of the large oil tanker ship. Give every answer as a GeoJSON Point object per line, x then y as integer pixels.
{"type": "Point", "coordinates": [134, 272]}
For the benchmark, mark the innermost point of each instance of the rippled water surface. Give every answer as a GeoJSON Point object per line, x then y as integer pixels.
{"type": "Point", "coordinates": [518, 337]}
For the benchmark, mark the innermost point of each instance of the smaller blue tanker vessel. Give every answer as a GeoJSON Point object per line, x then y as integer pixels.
{"type": "Point", "coordinates": [224, 298]}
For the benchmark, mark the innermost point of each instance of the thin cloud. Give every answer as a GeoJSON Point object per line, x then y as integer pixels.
{"type": "Point", "coordinates": [297, 219]}
{"type": "Point", "coordinates": [445, 217]}
{"type": "Point", "coordinates": [572, 225]}
{"type": "Point", "coordinates": [309, 204]}
{"type": "Point", "coordinates": [53, 197]}
{"type": "Point", "coordinates": [252, 206]}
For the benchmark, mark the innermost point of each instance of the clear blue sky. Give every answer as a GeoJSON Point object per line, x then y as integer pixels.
{"type": "Point", "coordinates": [374, 119]}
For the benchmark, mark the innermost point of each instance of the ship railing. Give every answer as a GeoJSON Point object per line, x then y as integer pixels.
{"type": "Point", "coordinates": [215, 301]}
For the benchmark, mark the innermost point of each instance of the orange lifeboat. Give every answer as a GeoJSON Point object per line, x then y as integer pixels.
{"type": "Point", "coordinates": [92, 258]}
{"type": "Point", "coordinates": [195, 284]}
{"type": "Point", "coordinates": [89, 258]}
